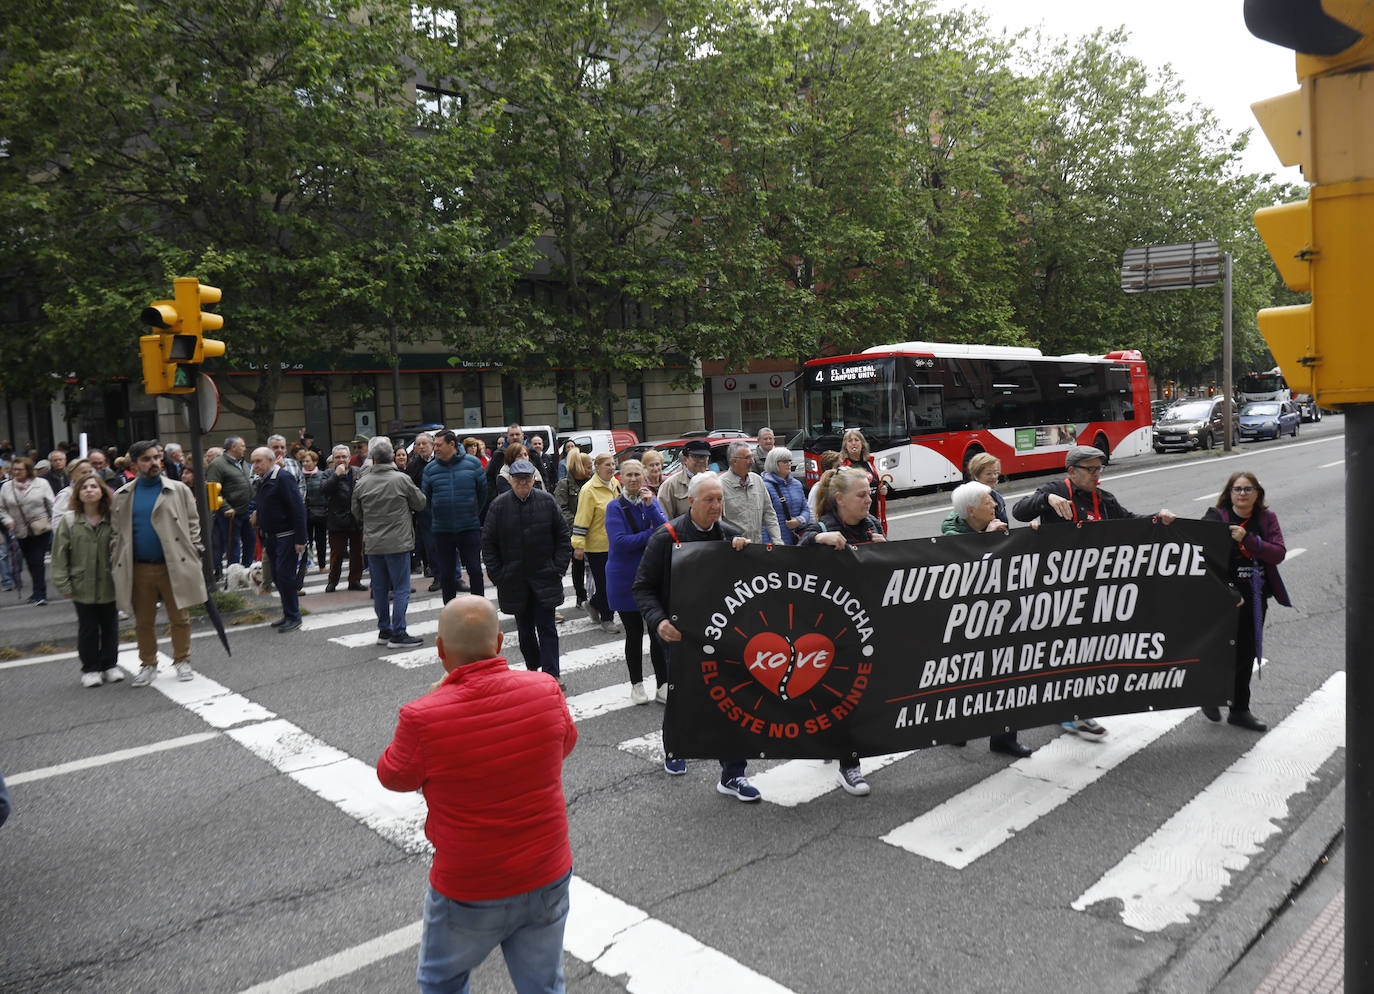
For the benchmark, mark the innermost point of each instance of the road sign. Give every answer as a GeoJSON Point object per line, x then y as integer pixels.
{"type": "Point", "coordinates": [1170, 267]}
{"type": "Point", "coordinates": [207, 398]}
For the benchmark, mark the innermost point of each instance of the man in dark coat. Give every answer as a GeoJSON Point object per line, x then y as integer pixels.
{"type": "Point", "coordinates": [1077, 499]}
{"type": "Point", "coordinates": [279, 517]}
{"type": "Point", "coordinates": [526, 547]}
{"type": "Point", "coordinates": [345, 531]}
{"type": "Point", "coordinates": [701, 523]}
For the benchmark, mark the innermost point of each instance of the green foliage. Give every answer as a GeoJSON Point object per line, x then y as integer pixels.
{"type": "Point", "coordinates": [600, 187]}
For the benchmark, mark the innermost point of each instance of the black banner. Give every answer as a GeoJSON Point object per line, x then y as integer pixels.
{"type": "Point", "coordinates": [818, 653]}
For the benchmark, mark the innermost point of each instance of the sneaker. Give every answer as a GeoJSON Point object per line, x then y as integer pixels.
{"type": "Point", "coordinates": [610, 627]}
{"type": "Point", "coordinates": [145, 676]}
{"type": "Point", "coordinates": [434, 586]}
{"type": "Point", "coordinates": [356, 586]}
{"type": "Point", "coordinates": [558, 618]}
{"type": "Point", "coordinates": [39, 601]}
{"type": "Point", "coordinates": [592, 616]}
{"type": "Point", "coordinates": [383, 638]}
{"type": "Point", "coordinates": [676, 767]}
{"type": "Point", "coordinates": [738, 788]}
{"type": "Point", "coordinates": [279, 622]}
{"type": "Point", "coordinates": [1084, 726]}
{"type": "Point", "coordinates": [291, 626]}
{"type": "Point", "coordinates": [1212, 713]}
{"type": "Point", "coordinates": [184, 671]}
{"type": "Point", "coordinates": [661, 695]}
{"type": "Point", "coordinates": [330, 588]}
{"type": "Point", "coordinates": [113, 675]}
{"type": "Point", "coordinates": [90, 680]}
{"type": "Point", "coordinates": [852, 780]}
{"type": "Point", "coordinates": [404, 641]}
{"type": "Point", "coordinates": [637, 693]}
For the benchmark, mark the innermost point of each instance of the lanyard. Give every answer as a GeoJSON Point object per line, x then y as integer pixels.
{"type": "Point", "coordinates": [1097, 505]}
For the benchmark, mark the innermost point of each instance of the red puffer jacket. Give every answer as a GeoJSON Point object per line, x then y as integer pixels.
{"type": "Point", "coordinates": [487, 748]}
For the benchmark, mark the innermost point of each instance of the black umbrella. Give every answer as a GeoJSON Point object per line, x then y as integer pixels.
{"type": "Point", "coordinates": [212, 612]}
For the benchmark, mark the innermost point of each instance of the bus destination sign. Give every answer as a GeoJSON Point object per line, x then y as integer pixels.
{"type": "Point", "coordinates": [857, 372]}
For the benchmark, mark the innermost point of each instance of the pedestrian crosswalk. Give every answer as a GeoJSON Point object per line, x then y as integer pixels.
{"type": "Point", "coordinates": [1172, 873]}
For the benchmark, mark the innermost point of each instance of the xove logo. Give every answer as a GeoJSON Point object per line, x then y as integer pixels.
{"type": "Point", "coordinates": [787, 655]}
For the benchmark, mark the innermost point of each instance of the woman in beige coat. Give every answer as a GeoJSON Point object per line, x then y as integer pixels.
{"type": "Point", "coordinates": [26, 512]}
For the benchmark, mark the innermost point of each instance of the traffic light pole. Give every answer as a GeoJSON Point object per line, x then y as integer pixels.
{"type": "Point", "coordinates": [1359, 701]}
{"type": "Point", "coordinates": [207, 536]}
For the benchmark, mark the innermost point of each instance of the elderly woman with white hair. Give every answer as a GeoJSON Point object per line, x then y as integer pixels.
{"type": "Point", "coordinates": [975, 513]}
{"type": "Point", "coordinates": [975, 510]}
{"type": "Point", "coordinates": [847, 524]}
{"type": "Point", "coordinates": [787, 493]}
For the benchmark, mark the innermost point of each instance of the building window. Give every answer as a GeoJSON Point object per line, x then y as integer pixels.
{"type": "Point", "coordinates": [315, 393]}
{"type": "Point", "coordinates": [634, 406]}
{"type": "Point", "coordinates": [364, 393]}
{"type": "Point", "coordinates": [434, 102]}
{"type": "Point", "coordinates": [563, 391]}
{"type": "Point", "coordinates": [431, 398]}
{"type": "Point", "coordinates": [510, 400]}
{"type": "Point", "coordinates": [472, 400]}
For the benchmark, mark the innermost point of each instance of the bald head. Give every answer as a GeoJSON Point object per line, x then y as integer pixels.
{"type": "Point", "coordinates": [468, 631]}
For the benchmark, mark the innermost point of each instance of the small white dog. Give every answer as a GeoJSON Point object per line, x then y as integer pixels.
{"type": "Point", "coordinates": [240, 577]}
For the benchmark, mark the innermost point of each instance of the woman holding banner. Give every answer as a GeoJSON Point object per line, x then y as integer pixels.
{"type": "Point", "coordinates": [630, 519]}
{"type": "Point", "coordinates": [847, 523]}
{"type": "Point", "coordinates": [975, 513]}
{"type": "Point", "coordinates": [1254, 570]}
{"type": "Point", "coordinates": [987, 470]}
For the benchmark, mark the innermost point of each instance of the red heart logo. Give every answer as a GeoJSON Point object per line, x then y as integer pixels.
{"type": "Point", "coordinates": [789, 670]}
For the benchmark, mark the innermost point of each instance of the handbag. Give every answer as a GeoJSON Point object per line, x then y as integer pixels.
{"type": "Point", "coordinates": [40, 527]}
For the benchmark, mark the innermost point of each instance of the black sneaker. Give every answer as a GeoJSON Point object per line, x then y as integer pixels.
{"type": "Point", "coordinates": [383, 638]}
{"type": "Point", "coordinates": [404, 641]}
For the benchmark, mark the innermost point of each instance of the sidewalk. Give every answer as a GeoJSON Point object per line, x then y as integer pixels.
{"type": "Point", "coordinates": [1303, 951]}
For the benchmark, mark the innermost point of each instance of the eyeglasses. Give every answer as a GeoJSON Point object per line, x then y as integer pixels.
{"type": "Point", "coordinates": [1242, 490]}
{"type": "Point", "coordinates": [1094, 470]}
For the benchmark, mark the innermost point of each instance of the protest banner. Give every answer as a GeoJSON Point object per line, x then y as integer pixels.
{"type": "Point", "coordinates": [820, 653]}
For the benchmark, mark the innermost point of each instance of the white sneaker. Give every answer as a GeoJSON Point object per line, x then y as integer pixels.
{"type": "Point", "coordinates": [113, 675]}
{"type": "Point", "coordinates": [144, 676]}
{"type": "Point", "coordinates": [637, 693]}
{"type": "Point", "coordinates": [592, 616]}
{"type": "Point", "coordinates": [184, 671]}
{"type": "Point", "coordinates": [610, 627]}
{"type": "Point", "coordinates": [661, 695]}
{"type": "Point", "coordinates": [90, 679]}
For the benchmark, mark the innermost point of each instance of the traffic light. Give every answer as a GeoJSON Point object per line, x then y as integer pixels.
{"type": "Point", "coordinates": [172, 356]}
{"type": "Point", "coordinates": [212, 497]}
{"type": "Point", "coordinates": [1324, 244]}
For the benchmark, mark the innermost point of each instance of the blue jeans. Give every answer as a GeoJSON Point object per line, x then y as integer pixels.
{"type": "Point", "coordinates": [528, 927]}
{"type": "Point", "coordinates": [538, 634]}
{"type": "Point", "coordinates": [390, 574]}
{"type": "Point", "coordinates": [281, 552]}
{"type": "Point", "coordinates": [448, 547]}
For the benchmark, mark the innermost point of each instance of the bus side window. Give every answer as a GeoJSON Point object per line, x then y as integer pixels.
{"type": "Point", "coordinates": [924, 408]}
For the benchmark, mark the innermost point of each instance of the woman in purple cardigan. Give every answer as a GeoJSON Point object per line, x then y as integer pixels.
{"type": "Point", "coordinates": [1254, 570]}
{"type": "Point", "coordinates": [630, 519]}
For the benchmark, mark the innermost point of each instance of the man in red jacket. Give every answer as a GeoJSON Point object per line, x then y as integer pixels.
{"type": "Point", "coordinates": [486, 746]}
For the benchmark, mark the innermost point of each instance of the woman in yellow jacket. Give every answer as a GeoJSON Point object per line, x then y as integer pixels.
{"type": "Point", "coordinates": [589, 539]}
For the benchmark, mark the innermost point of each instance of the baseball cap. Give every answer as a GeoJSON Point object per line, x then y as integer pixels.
{"type": "Point", "coordinates": [696, 447]}
{"type": "Point", "coordinates": [522, 467]}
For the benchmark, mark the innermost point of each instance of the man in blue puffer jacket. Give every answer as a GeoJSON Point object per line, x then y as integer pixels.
{"type": "Point", "coordinates": [456, 488]}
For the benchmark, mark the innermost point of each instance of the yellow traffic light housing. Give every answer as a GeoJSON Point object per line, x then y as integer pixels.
{"type": "Point", "coordinates": [212, 497]}
{"type": "Point", "coordinates": [171, 357]}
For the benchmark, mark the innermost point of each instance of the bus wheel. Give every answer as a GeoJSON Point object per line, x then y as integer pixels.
{"type": "Point", "coordinates": [973, 450]}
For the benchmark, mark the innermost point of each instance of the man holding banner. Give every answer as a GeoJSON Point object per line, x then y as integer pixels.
{"type": "Point", "coordinates": [1078, 499]}
{"type": "Point", "coordinates": [652, 586]}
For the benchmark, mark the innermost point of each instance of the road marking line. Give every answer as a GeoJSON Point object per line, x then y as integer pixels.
{"type": "Point", "coordinates": [973, 823]}
{"type": "Point", "coordinates": [1192, 857]}
{"type": "Point", "coordinates": [1328, 465]}
{"type": "Point", "coordinates": [607, 699]}
{"type": "Point", "coordinates": [649, 746]}
{"type": "Point", "coordinates": [343, 963]}
{"type": "Point", "coordinates": [118, 756]}
{"type": "Point", "coordinates": [356, 640]}
{"type": "Point", "coordinates": [622, 941]}
{"type": "Point", "coordinates": [799, 781]}
{"type": "Point", "coordinates": [1293, 554]}
{"type": "Point", "coordinates": [213, 702]}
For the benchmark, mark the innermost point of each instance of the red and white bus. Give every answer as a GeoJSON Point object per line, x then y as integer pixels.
{"type": "Point", "coordinates": [928, 408]}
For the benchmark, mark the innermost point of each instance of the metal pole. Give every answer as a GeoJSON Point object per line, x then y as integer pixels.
{"type": "Point", "coordinates": [207, 538]}
{"type": "Point", "coordinates": [1359, 701]}
{"type": "Point", "coordinates": [1226, 407]}
{"type": "Point", "coordinates": [395, 377]}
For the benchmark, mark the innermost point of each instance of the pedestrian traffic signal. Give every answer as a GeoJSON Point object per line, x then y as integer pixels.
{"type": "Point", "coordinates": [1322, 244]}
{"type": "Point", "coordinates": [181, 347]}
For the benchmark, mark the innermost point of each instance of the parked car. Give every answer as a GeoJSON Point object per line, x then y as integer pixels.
{"type": "Point", "coordinates": [1193, 424]}
{"type": "Point", "coordinates": [596, 441]}
{"type": "Point", "coordinates": [1269, 419]}
{"type": "Point", "coordinates": [716, 433]}
{"type": "Point", "coordinates": [1158, 407]}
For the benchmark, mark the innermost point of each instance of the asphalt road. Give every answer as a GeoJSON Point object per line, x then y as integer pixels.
{"type": "Point", "coordinates": [223, 864]}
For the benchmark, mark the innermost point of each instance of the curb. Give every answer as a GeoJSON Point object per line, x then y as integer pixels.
{"type": "Point", "coordinates": [1232, 948]}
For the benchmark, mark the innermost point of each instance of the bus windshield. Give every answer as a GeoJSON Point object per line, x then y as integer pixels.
{"type": "Point", "coordinates": [1262, 383]}
{"type": "Point", "coordinates": [857, 394]}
